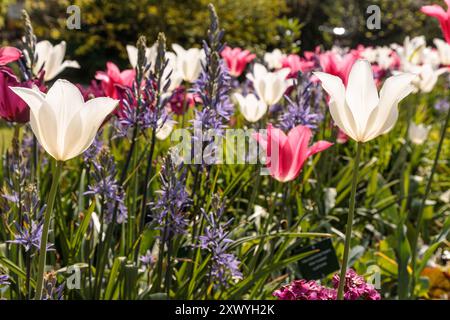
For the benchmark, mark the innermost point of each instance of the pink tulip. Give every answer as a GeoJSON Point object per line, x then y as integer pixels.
{"type": "Point", "coordinates": [341, 137]}
{"type": "Point", "coordinates": [443, 17]}
{"type": "Point", "coordinates": [296, 64]}
{"type": "Point", "coordinates": [338, 66]}
{"type": "Point", "coordinates": [9, 54]}
{"type": "Point", "coordinates": [286, 155]}
{"type": "Point", "coordinates": [114, 77]}
{"type": "Point", "coordinates": [236, 59]}
{"type": "Point", "coordinates": [12, 107]}
{"type": "Point", "coordinates": [312, 55]}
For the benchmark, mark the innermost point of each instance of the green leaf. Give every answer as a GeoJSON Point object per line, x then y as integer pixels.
{"type": "Point", "coordinates": [12, 267]}
{"type": "Point", "coordinates": [76, 242]}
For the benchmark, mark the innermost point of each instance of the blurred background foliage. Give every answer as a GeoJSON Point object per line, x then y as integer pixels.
{"type": "Point", "coordinates": [107, 26]}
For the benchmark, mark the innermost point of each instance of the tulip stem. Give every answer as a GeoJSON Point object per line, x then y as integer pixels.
{"type": "Point", "coordinates": [348, 232]}
{"type": "Point", "coordinates": [44, 237]}
{"type": "Point", "coordinates": [422, 204]}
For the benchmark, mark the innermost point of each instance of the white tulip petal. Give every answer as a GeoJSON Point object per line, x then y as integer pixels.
{"type": "Point", "coordinates": [43, 51]}
{"type": "Point", "coordinates": [70, 64]}
{"type": "Point", "coordinates": [163, 132]}
{"type": "Point", "coordinates": [74, 138]}
{"type": "Point", "coordinates": [277, 88]}
{"type": "Point", "coordinates": [48, 130]}
{"type": "Point", "coordinates": [66, 100]}
{"type": "Point", "coordinates": [92, 115]}
{"type": "Point", "coordinates": [394, 89]}
{"type": "Point", "coordinates": [251, 108]}
{"type": "Point", "coordinates": [132, 52]}
{"type": "Point", "coordinates": [339, 110]}
{"type": "Point", "coordinates": [283, 73]}
{"type": "Point", "coordinates": [35, 127]}
{"type": "Point", "coordinates": [259, 71]}
{"type": "Point", "coordinates": [361, 94]}
{"type": "Point", "coordinates": [260, 89]}
{"type": "Point", "coordinates": [33, 97]}
{"type": "Point", "coordinates": [54, 61]}
{"type": "Point", "coordinates": [179, 50]}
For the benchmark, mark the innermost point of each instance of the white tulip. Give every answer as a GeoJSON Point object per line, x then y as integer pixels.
{"type": "Point", "coordinates": [170, 72]}
{"type": "Point", "coordinates": [418, 133]}
{"type": "Point", "coordinates": [443, 50]}
{"type": "Point", "coordinates": [274, 58]}
{"type": "Point", "coordinates": [51, 59]}
{"type": "Point", "coordinates": [412, 50]}
{"type": "Point", "coordinates": [379, 55]}
{"type": "Point", "coordinates": [189, 62]}
{"type": "Point", "coordinates": [269, 86]}
{"type": "Point", "coordinates": [150, 54]}
{"type": "Point", "coordinates": [426, 76]}
{"type": "Point", "coordinates": [431, 57]}
{"type": "Point", "coordinates": [370, 54]}
{"type": "Point", "coordinates": [163, 130]}
{"type": "Point", "coordinates": [385, 58]}
{"type": "Point", "coordinates": [357, 109]}
{"type": "Point", "coordinates": [251, 108]}
{"type": "Point", "coordinates": [62, 122]}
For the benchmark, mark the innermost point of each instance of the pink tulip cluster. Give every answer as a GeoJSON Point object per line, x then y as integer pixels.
{"type": "Point", "coordinates": [297, 64]}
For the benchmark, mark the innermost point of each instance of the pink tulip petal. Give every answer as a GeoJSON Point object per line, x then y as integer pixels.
{"type": "Point", "coordinates": [9, 54]}
{"type": "Point", "coordinates": [318, 147]}
{"type": "Point", "coordinates": [434, 11]}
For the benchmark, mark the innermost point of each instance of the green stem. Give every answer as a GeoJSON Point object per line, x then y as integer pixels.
{"type": "Point", "coordinates": [422, 204]}
{"type": "Point", "coordinates": [148, 172]}
{"type": "Point", "coordinates": [44, 237]}
{"type": "Point", "coordinates": [348, 232]}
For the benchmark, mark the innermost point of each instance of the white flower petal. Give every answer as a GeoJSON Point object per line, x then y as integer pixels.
{"type": "Point", "coordinates": [383, 117]}
{"type": "Point", "coordinates": [132, 52]}
{"type": "Point", "coordinates": [339, 110]}
{"type": "Point", "coordinates": [361, 93]}
{"type": "Point", "coordinates": [48, 133]}
{"type": "Point", "coordinates": [33, 97]}
{"type": "Point", "coordinates": [43, 51]}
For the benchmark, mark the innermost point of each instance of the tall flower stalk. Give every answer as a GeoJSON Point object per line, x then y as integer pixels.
{"type": "Point", "coordinates": [161, 87]}
{"type": "Point", "coordinates": [351, 213]}
{"type": "Point", "coordinates": [48, 211]}
{"type": "Point", "coordinates": [67, 130]}
{"type": "Point", "coordinates": [362, 114]}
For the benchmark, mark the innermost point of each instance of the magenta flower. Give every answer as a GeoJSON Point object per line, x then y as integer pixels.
{"type": "Point", "coordinates": [12, 108]}
{"type": "Point", "coordinates": [236, 59]}
{"type": "Point", "coordinates": [355, 289]}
